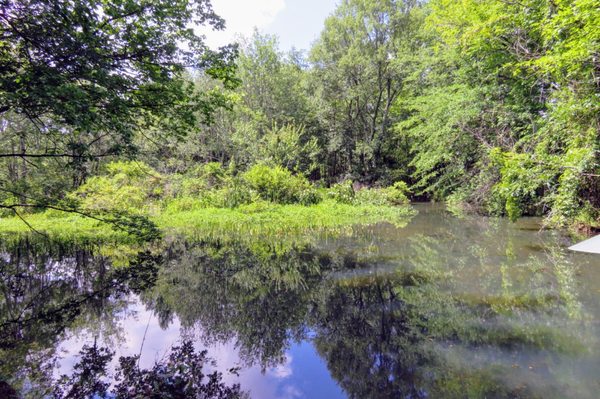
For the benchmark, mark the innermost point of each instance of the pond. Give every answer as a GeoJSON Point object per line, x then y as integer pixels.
{"type": "Point", "coordinates": [445, 307]}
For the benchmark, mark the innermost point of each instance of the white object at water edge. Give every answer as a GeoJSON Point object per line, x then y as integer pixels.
{"type": "Point", "coordinates": [590, 246]}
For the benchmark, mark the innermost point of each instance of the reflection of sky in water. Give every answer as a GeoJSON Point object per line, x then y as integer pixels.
{"type": "Point", "coordinates": [513, 310]}
{"type": "Point", "coordinates": [303, 374]}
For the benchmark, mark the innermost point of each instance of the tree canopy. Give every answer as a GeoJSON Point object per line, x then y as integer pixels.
{"type": "Point", "coordinates": [79, 79]}
{"type": "Point", "coordinates": [490, 104]}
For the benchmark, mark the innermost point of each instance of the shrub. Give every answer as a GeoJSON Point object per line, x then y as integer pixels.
{"type": "Point", "coordinates": [236, 193]}
{"type": "Point", "coordinates": [342, 192]}
{"type": "Point", "coordinates": [397, 194]}
{"type": "Point", "coordinates": [345, 194]}
{"type": "Point", "coordinates": [371, 196]}
{"type": "Point", "coordinates": [279, 185]}
{"type": "Point", "coordinates": [131, 170]}
{"type": "Point", "coordinates": [128, 187]}
{"type": "Point", "coordinates": [214, 174]}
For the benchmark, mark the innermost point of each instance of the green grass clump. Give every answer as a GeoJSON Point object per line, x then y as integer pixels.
{"type": "Point", "coordinates": [259, 220]}
{"type": "Point", "coordinates": [68, 229]}
{"type": "Point", "coordinates": [267, 220]}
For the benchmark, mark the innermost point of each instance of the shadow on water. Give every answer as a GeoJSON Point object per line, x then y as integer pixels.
{"type": "Point", "coordinates": [443, 308]}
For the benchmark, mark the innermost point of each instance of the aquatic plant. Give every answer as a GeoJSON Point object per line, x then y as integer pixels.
{"type": "Point", "coordinates": [133, 203]}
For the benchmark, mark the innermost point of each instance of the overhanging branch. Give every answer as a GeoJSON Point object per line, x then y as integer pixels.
{"type": "Point", "coordinates": [25, 155]}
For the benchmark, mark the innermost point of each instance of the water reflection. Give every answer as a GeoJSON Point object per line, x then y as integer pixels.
{"type": "Point", "coordinates": [49, 289]}
{"type": "Point", "coordinates": [443, 308]}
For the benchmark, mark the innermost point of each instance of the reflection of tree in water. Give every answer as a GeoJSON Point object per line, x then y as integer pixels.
{"type": "Point", "coordinates": [367, 339]}
{"type": "Point", "coordinates": [47, 289]}
{"type": "Point", "coordinates": [388, 315]}
{"type": "Point", "coordinates": [241, 293]}
{"type": "Point", "coordinates": [382, 334]}
{"type": "Point", "coordinates": [180, 375]}
{"type": "Point", "coordinates": [391, 335]}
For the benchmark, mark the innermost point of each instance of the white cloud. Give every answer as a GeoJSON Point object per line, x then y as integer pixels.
{"type": "Point", "coordinates": [283, 370]}
{"type": "Point", "coordinates": [241, 17]}
{"type": "Point", "coordinates": [291, 392]}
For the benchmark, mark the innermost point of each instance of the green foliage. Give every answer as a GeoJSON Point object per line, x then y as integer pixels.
{"type": "Point", "coordinates": [389, 196]}
{"type": "Point", "coordinates": [397, 193]}
{"type": "Point", "coordinates": [286, 146]}
{"type": "Point", "coordinates": [492, 105]}
{"type": "Point", "coordinates": [505, 115]}
{"type": "Point", "coordinates": [370, 196]}
{"type": "Point", "coordinates": [361, 62]}
{"type": "Point", "coordinates": [265, 220]}
{"type": "Point", "coordinates": [278, 185]}
{"type": "Point", "coordinates": [442, 152]}
{"type": "Point", "coordinates": [134, 199]}
{"type": "Point", "coordinates": [106, 65]}
{"type": "Point", "coordinates": [200, 179]}
{"type": "Point", "coordinates": [82, 81]}
{"type": "Point", "coordinates": [521, 182]}
{"type": "Point", "coordinates": [126, 187]}
{"type": "Point", "coordinates": [342, 192]}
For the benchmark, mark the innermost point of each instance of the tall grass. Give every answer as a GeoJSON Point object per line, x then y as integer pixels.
{"type": "Point", "coordinates": [258, 221]}
{"type": "Point", "coordinates": [273, 221]}
{"type": "Point", "coordinates": [265, 202]}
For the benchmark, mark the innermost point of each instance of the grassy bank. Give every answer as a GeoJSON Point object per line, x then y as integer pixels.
{"type": "Point", "coordinates": [263, 203]}
{"type": "Point", "coordinates": [256, 220]}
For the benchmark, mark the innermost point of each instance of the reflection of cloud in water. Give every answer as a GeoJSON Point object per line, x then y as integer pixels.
{"type": "Point", "coordinates": [138, 322]}
{"type": "Point", "coordinates": [135, 323]}
{"type": "Point", "coordinates": [291, 392]}
{"type": "Point", "coordinates": [282, 370]}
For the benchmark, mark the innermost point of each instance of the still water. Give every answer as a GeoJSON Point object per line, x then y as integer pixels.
{"type": "Point", "coordinates": [445, 307]}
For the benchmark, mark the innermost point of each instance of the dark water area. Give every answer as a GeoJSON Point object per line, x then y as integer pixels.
{"type": "Point", "coordinates": [446, 307]}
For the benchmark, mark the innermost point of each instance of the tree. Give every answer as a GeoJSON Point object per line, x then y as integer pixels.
{"type": "Point", "coordinates": [270, 117]}
{"type": "Point", "coordinates": [507, 119]}
{"type": "Point", "coordinates": [81, 78]}
{"type": "Point", "coordinates": [361, 64]}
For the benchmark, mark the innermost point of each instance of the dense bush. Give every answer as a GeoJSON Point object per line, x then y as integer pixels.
{"type": "Point", "coordinates": [137, 189]}
{"type": "Point", "coordinates": [131, 187]}
{"type": "Point", "coordinates": [342, 192]}
{"type": "Point", "coordinates": [279, 185]}
{"type": "Point", "coordinates": [397, 193]}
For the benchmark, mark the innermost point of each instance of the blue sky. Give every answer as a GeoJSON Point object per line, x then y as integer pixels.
{"type": "Point", "coordinates": [297, 23]}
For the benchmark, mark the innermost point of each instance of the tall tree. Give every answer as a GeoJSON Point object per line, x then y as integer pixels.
{"type": "Point", "coordinates": [357, 63]}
